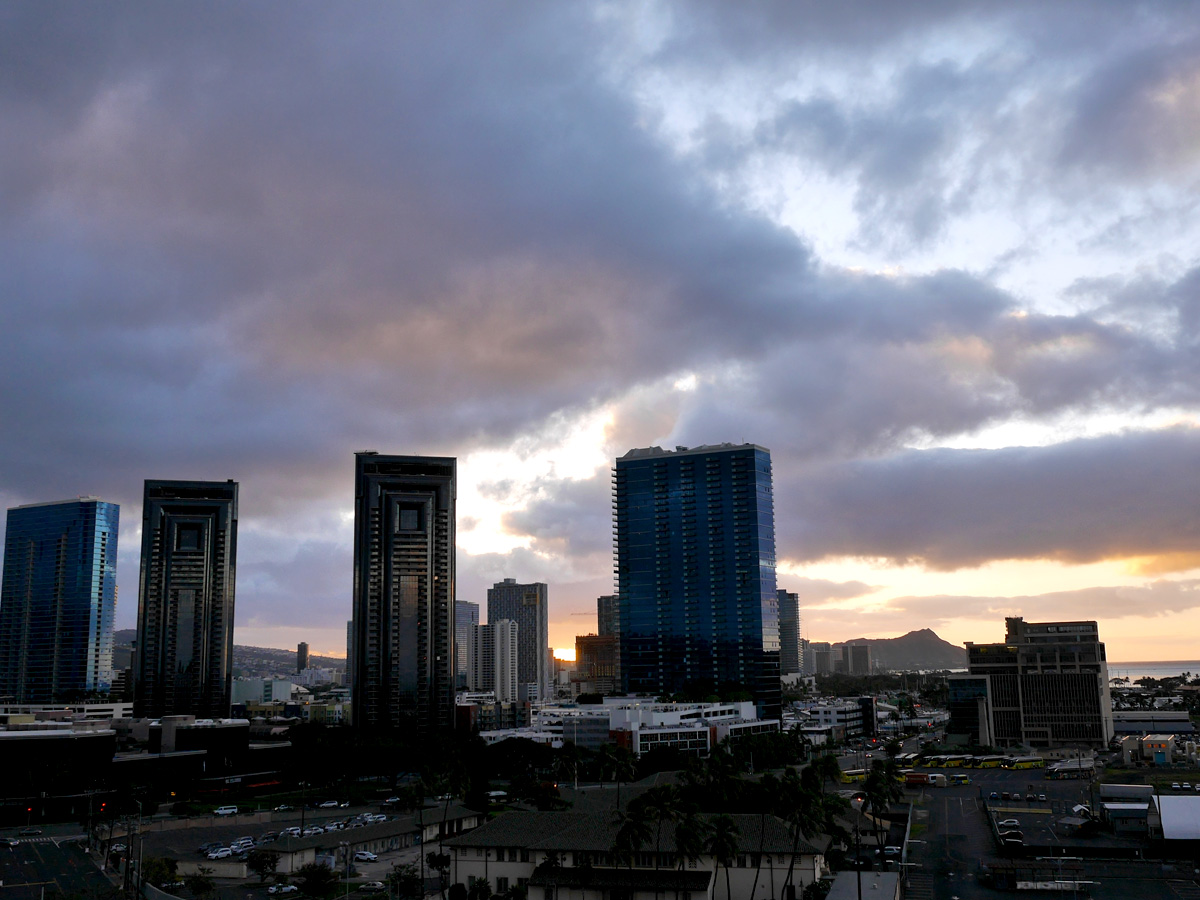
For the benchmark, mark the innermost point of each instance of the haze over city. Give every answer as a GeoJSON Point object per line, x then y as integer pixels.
{"type": "Point", "coordinates": [941, 261]}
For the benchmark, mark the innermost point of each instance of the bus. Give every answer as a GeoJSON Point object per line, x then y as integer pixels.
{"type": "Point", "coordinates": [960, 778]}
{"type": "Point", "coordinates": [989, 762]}
{"type": "Point", "coordinates": [1027, 762]}
{"type": "Point", "coordinates": [849, 776]}
{"type": "Point", "coordinates": [957, 761]}
{"type": "Point", "coordinates": [933, 762]}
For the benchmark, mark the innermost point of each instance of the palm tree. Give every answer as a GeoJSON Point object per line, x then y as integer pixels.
{"type": "Point", "coordinates": [723, 845]}
{"type": "Point", "coordinates": [882, 789]}
{"type": "Point", "coordinates": [801, 804]}
{"type": "Point", "coordinates": [691, 839]}
{"type": "Point", "coordinates": [769, 789]}
{"type": "Point", "coordinates": [661, 804]}
{"type": "Point", "coordinates": [633, 832]}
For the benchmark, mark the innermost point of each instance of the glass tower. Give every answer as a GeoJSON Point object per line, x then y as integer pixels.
{"type": "Point", "coordinates": [404, 655]}
{"type": "Point", "coordinates": [184, 661]}
{"type": "Point", "coordinates": [695, 571]}
{"type": "Point", "coordinates": [57, 600]}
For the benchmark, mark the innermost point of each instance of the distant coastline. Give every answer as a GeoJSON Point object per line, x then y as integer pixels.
{"type": "Point", "coordinates": [1153, 668]}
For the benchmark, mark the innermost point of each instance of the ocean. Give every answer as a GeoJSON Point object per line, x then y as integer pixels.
{"type": "Point", "coordinates": [1153, 669]}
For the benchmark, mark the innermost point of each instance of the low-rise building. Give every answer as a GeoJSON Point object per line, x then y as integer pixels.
{"type": "Point", "coordinates": [571, 854]}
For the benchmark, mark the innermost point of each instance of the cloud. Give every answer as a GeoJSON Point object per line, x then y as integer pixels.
{"type": "Point", "coordinates": [1125, 495]}
{"type": "Point", "coordinates": [813, 592]}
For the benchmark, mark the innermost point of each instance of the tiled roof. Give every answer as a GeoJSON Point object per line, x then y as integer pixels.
{"type": "Point", "coordinates": [570, 830]}
{"type": "Point", "coordinates": [607, 879]}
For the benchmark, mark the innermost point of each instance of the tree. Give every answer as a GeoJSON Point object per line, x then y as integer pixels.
{"type": "Point", "coordinates": [315, 878]}
{"type": "Point", "coordinates": [770, 791]}
{"type": "Point", "coordinates": [723, 845]}
{"type": "Point", "coordinates": [882, 789]}
{"type": "Point", "coordinates": [158, 870]}
{"type": "Point", "coordinates": [405, 880]}
{"type": "Point", "coordinates": [800, 806]}
{"type": "Point", "coordinates": [262, 863]}
{"type": "Point", "coordinates": [661, 804]}
{"type": "Point", "coordinates": [199, 883]}
{"type": "Point", "coordinates": [828, 768]}
{"type": "Point", "coordinates": [440, 863]}
{"type": "Point", "coordinates": [480, 890]}
{"type": "Point", "coordinates": [691, 838]}
{"type": "Point", "coordinates": [633, 832]}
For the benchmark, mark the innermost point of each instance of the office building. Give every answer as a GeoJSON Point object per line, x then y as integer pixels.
{"type": "Point", "coordinates": [527, 605]}
{"type": "Point", "coordinates": [57, 600]}
{"type": "Point", "coordinates": [608, 615]}
{"type": "Point", "coordinates": [404, 571]}
{"type": "Point", "coordinates": [466, 618]}
{"type": "Point", "coordinates": [184, 660]}
{"type": "Point", "coordinates": [806, 658]}
{"type": "Point", "coordinates": [857, 657]}
{"type": "Point", "coordinates": [790, 658]}
{"type": "Point", "coordinates": [301, 656]}
{"type": "Point", "coordinates": [822, 657]}
{"type": "Point", "coordinates": [695, 558]}
{"type": "Point", "coordinates": [1046, 685]}
{"type": "Point", "coordinates": [495, 659]}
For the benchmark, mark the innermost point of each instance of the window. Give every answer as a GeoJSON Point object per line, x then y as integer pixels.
{"type": "Point", "coordinates": [187, 536]}
{"type": "Point", "coordinates": [501, 885]}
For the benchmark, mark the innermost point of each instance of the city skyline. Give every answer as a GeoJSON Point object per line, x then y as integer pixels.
{"type": "Point", "coordinates": [941, 261]}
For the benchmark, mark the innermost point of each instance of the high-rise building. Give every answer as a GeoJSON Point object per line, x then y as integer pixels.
{"type": "Point", "coordinates": [858, 658]}
{"type": "Point", "coordinates": [185, 599]}
{"type": "Point", "coordinates": [608, 615]}
{"type": "Point", "coordinates": [597, 660]}
{"type": "Point", "coordinates": [57, 600]}
{"type": "Point", "coordinates": [695, 557]}
{"type": "Point", "coordinates": [466, 617]}
{"type": "Point", "coordinates": [495, 659]}
{"type": "Point", "coordinates": [349, 680]}
{"type": "Point", "coordinates": [822, 657]}
{"type": "Point", "coordinates": [527, 605]}
{"type": "Point", "coordinates": [1045, 686]}
{"type": "Point", "coordinates": [790, 657]}
{"type": "Point", "coordinates": [301, 656]}
{"type": "Point", "coordinates": [404, 591]}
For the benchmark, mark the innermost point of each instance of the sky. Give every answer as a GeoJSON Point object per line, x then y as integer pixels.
{"type": "Point", "coordinates": [940, 258]}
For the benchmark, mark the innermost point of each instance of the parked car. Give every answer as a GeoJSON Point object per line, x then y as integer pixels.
{"type": "Point", "coordinates": [220, 853]}
{"type": "Point", "coordinates": [118, 848]}
{"type": "Point", "coordinates": [312, 829]}
{"type": "Point", "coordinates": [282, 889]}
{"type": "Point", "coordinates": [294, 831]}
{"type": "Point", "coordinates": [1029, 798]}
{"type": "Point", "coordinates": [372, 887]}
{"type": "Point", "coordinates": [268, 837]}
{"type": "Point", "coordinates": [391, 800]}
{"type": "Point", "coordinates": [29, 832]}
{"type": "Point", "coordinates": [365, 856]}
{"type": "Point", "coordinates": [225, 811]}
{"type": "Point", "coordinates": [283, 807]}
{"type": "Point", "coordinates": [891, 850]}
{"type": "Point", "coordinates": [993, 796]}
{"type": "Point", "coordinates": [1042, 798]}
{"type": "Point", "coordinates": [1174, 785]}
{"type": "Point", "coordinates": [1008, 823]}
{"type": "Point", "coordinates": [329, 804]}
{"type": "Point", "coordinates": [210, 846]}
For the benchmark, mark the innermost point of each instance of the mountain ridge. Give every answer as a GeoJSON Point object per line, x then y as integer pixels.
{"type": "Point", "coordinates": [920, 649]}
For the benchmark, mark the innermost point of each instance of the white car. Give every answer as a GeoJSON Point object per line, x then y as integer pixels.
{"type": "Point", "coordinates": [329, 804]}
{"type": "Point", "coordinates": [373, 887]}
{"type": "Point", "coordinates": [1008, 823]}
{"type": "Point", "coordinates": [365, 856]}
{"type": "Point", "coordinates": [313, 829]}
{"type": "Point", "coordinates": [293, 831]}
{"type": "Point", "coordinates": [225, 811]}
{"type": "Point", "coordinates": [282, 889]}
{"type": "Point", "coordinates": [220, 853]}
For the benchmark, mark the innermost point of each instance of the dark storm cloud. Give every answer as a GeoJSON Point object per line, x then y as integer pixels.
{"type": "Point", "coordinates": [240, 241]}
{"type": "Point", "coordinates": [1081, 501]}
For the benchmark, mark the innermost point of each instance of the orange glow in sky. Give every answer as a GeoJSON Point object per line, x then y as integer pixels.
{"type": "Point", "coordinates": [567, 653]}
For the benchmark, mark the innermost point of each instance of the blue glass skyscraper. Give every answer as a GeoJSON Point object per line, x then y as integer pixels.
{"type": "Point", "coordinates": [695, 558]}
{"type": "Point", "coordinates": [57, 600]}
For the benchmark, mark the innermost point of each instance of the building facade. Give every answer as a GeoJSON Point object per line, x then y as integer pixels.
{"type": "Point", "coordinates": [527, 605]}
{"type": "Point", "coordinates": [608, 615]}
{"type": "Point", "coordinates": [57, 600]}
{"type": "Point", "coordinates": [791, 659]}
{"type": "Point", "coordinates": [494, 659]}
{"type": "Point", "coordinates": [695, 567]}
{"type": "Point", "coordinates": [1046, 685]}
{"type": "Point", "coordinates": [466, 618]}
{"type": "Point", "coordinates": [404, 655]}
{"type": "Point", "coordinates": [184, 660]}
{"type": "Point", "coordinates": [301, 656]}
{"type": "Point", "coordinates": [598, 662]}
